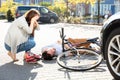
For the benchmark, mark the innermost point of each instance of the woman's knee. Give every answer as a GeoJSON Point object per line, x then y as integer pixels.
{"type": "Point", "coordinates": [32, 43]}
{"type": "Point", "coordinates": [7, 47]}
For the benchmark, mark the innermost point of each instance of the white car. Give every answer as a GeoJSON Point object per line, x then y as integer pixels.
{"type": "Point", "coordinates": [110, 44]}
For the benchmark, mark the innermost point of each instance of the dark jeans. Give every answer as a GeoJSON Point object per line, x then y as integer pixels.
{"type": "Point", "coordinates": [27, 46]}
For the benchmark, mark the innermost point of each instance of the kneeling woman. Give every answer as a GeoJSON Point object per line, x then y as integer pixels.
{"type": "Point", "coordinates": [20, 35]}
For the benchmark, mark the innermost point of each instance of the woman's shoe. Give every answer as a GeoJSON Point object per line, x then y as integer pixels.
{"type": "Point", "coordinates": [31, 58]}
{"type": "Point", "coordinates": [37, 57]}
{"type": "Point", "coordinates": [34, 61]}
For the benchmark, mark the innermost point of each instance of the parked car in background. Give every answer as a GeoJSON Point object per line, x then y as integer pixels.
{"type": "Point", "coordinates": [46, 14]}
{"type": "Point", "coordinates": [2, 16]}
{"type": "Point", "coordinates": [110, 44]}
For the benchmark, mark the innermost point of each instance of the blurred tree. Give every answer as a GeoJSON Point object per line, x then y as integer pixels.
{"type": "Point", "coordinates": [58, 7]}
{"type": "Point", "coordinates": [64, 7]}
{"type": "Point", "coordinates": [9, 16]}
{"type": "Point", "coordinates": [45, 4]}
{"type": "Point", "coordinates": [92, 2]}
{"type": "Point", "coordinates": [9, 4]}
{"type": "Point", "coordinates": [73, 4]}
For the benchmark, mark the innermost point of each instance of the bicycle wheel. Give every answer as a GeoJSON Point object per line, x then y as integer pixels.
{"type": "Point", "coordinates": [86, 59]}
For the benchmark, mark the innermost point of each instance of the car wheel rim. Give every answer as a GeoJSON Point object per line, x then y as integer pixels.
{"type": "Point", "coordinates": [114, 54]}
{"type": "Point", "coordinates": [52, 20]}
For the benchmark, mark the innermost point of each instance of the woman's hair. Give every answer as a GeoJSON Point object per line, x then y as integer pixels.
{"type": "Point", "coordinates": [46, 56]}
{"type": "Point", "coordinates": [30, 14]}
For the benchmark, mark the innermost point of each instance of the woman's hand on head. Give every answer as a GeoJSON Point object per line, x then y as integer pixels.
{"type": "Point", "coordinates": [35, 18]}
{"type": "Point", "coordinates": [34, 22]}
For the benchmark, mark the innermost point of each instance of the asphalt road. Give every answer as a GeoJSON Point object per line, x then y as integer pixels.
{"type": "Point", "coordinates": [49, 70]}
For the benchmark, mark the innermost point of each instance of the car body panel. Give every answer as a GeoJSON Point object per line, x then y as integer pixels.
{"type": "Point", "coordinates": [45, 13]}
{"type": "Point", "coordinates": [112, 18]}
{"type": "Point", "coordinates": [108, 26]}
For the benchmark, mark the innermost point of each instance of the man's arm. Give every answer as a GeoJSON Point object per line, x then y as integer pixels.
{"type": "Point", "coordinates": [65, 45]}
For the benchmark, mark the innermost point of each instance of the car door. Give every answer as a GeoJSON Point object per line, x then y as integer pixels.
{"type": "Point", "coordinates": [44, 12]}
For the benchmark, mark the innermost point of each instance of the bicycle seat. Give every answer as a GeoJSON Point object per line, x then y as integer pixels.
{"type": "Point", "coordinates": [93, 40]}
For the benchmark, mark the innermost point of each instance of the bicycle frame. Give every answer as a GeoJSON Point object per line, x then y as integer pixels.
{"type": "Point", "coordinates": [65, 41]}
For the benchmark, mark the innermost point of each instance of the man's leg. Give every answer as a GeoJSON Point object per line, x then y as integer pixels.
{"type": "Point", "coordinates": [78, 41]}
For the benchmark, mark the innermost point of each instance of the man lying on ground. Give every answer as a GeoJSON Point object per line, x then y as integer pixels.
{"type": "Point", "coordinates": [54, 49]}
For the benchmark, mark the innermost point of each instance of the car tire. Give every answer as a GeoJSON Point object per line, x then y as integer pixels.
{"type": "Point", "coordinates": [112, 53]}
{"type": "Point", "coordinates": [52, 20]}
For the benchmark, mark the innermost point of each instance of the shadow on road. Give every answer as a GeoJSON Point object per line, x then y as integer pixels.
{"type": "Point", "coordinates": [67, 72]}
{"type": "Point", "coordinates": [11, 71]}
{"type": "Point", "coordinates": [49, 61]}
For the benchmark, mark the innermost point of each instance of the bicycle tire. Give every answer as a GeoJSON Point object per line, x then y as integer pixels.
{"type": "Point", "coordinates": [68, 59]}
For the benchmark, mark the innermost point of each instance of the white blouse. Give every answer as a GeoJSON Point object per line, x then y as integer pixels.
{"type": "Point", "coordinates": [18, 33]}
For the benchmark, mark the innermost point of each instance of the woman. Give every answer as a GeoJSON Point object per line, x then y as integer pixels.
{"type": "Point", "coordinates": [20, 35]}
